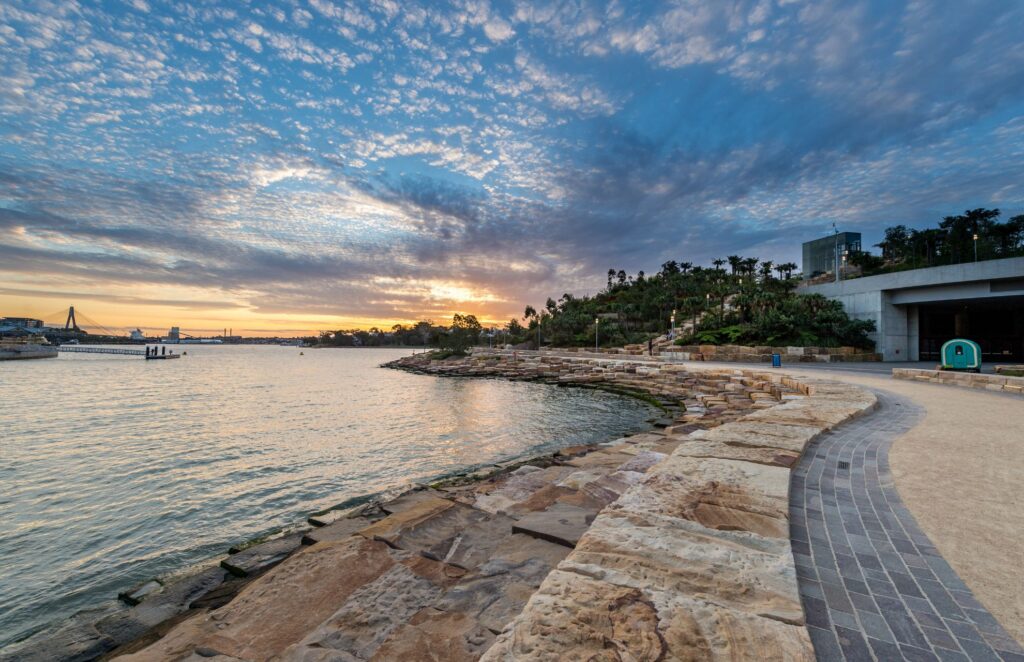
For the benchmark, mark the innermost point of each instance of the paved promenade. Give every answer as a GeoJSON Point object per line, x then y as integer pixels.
{"type": "Point", "coordinates": [872, 583]}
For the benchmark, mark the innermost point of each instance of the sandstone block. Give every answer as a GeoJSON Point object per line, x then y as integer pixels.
{"type": "Point", "coordinates": [437, 636]}
{"type": "Point", "coordinates": [254, 560]}
{"type": "Point", "coordinates": [738, 570]}
{"type": "Point", "coordinates": [561, 523]}
{"type": "Point", "coordinates": [281, 607]}
{"type": "Point", "coordinates": [373, 613]}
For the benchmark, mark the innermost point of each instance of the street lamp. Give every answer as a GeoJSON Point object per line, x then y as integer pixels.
{"type": "Point", "coordinates": [672, 335]}
{"type": "Point", "coordinates": [597, 331]}
{"type": "Point", "coordinates": [707, 300]}
{"type": "Point", "coordinates": [975, 246]}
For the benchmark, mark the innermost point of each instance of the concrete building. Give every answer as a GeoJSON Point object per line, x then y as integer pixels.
{"type": "Point", "coordinates": [19, 326]}
{"type": "Point", "coordinates": [916, 311]}
{"type": "Point", "coordinates": [820, 254]}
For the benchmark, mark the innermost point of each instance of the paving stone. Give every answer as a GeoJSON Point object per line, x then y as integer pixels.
{"type": "Point", "coordinates": [560, 523]}
{"type": "Point", "coordinates": [889, 570]}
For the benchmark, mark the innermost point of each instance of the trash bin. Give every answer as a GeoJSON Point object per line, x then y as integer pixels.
{"type": "Point", "coordinates": [776, 360]}
{"type": "Point", "coordinates": [960, 354]}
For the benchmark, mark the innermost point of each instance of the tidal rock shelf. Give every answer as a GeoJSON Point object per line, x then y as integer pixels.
{"type": "Point", "coordinates": [668, 544]}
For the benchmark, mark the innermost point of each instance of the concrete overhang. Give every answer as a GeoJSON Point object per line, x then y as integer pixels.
{"type": "Point", "coordinates": [972, 280]}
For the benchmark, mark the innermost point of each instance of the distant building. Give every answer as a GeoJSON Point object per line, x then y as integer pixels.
{"type": "Point", "coordinates": [137, 335]}
{"type": "Point", "coordinates": [820, 254]}
{"type": "Point", "coordinates": [174, 335]}
{"type": "Point", "coordinates": [21, 322]}
{"type": "Point", "coordinates": [19, 326]}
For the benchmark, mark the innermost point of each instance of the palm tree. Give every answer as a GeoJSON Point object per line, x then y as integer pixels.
{"type": "Point", "coordinates": [734, 263]}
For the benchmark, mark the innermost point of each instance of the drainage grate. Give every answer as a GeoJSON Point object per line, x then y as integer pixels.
{"type": "Point", "coordinates": [844, 465]}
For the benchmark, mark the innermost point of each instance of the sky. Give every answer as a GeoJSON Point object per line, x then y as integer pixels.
{"type": "Point", "coordinates": [286, 167]}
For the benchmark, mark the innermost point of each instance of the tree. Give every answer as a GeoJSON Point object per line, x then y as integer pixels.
{"type": "Point", "coordinates": [462, 334]}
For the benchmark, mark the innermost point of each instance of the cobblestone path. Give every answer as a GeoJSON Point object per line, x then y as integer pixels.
{"type": "Point", "coordinates": [872, 584]}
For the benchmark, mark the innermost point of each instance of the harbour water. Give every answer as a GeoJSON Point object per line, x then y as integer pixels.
{"type": "Point", "coordinates": [114, 469]}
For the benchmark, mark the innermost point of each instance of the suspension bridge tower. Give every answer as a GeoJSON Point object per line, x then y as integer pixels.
{"type": "Point", "coordinates": [71, 324]}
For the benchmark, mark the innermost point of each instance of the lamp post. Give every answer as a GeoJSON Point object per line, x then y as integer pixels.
{"type": "Point", "coordinates": [835, 265]}
{"type": "Point", "coordinates": [975, 246]}
{"type": "Point", "coordinates": [597, 332]}
{"type": "Point", "coordinates": [672, 334]}
{"type": "Point", "coordinates": [846, 254]}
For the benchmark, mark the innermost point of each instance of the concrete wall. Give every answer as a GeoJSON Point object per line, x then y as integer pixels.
{"type": "Point", "coordinates": [890, 299]}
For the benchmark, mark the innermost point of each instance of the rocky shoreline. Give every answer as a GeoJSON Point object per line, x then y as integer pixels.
{"type": "Point", "coordinates": [142, 613]}
{"type": "Point", "coordinates": [476, 565]}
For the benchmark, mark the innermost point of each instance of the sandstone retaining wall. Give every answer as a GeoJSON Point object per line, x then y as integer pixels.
{"type": "Point", "coordinates": [734, 353]}
{"type": "Point", "coordinates": [1000, 383]}
{"type": "Point", "coordinates": [694, 562]}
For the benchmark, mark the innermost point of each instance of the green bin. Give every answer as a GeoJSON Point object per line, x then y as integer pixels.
{"type": "Point", "coordinates": [961, 354]}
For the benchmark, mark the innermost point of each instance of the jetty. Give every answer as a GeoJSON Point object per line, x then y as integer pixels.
{"type": "Point", "coordinates": [147, 353]}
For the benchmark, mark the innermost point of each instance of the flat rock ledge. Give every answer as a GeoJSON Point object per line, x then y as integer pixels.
{"type": "Point", "coordinates": [668, 544]}
{"type": "Point", "coordinates": [694, 560]}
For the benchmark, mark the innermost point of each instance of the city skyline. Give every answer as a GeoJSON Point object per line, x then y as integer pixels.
{"type": "Point", "coordinates": [298, 166]}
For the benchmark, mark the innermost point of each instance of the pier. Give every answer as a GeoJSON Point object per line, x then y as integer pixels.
{"type": "Point", "coordinates": [145, 353]}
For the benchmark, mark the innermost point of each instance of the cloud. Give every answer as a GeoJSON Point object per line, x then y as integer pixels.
{"type": "Point", "coordinates": [386, 160]}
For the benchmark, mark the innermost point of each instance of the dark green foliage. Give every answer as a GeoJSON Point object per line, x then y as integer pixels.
{"type": "Point", "coordinates": [951, 243]}
{"type": "Point", "coordinates": [418, 335]}
{"type": "Point", "coordinates": [463, 334]}
{"type": "Point", "coordinates": [744, 304]}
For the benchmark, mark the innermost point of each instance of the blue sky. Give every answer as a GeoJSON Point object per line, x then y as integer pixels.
{"type": "Point", "coordinates": [315, 163]}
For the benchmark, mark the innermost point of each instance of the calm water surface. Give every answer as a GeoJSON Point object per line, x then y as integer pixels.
{"type": "Point", "coordinates": [114, 469]}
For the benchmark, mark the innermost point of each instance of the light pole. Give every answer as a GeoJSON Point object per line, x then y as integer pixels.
{"type": "Point", "coordinates": [845, 255]}
{"type": "Point", "coordinates": [975, 246]}
{"type": "Point", "coordinates": [672, 335]}
{"type": "Point", "coordinates": [835, 265]}
{"type": "Point", "coordinates": [597, 332]}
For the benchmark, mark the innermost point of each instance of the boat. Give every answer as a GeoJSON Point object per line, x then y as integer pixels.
{"type": "Point", "coordinates": [26, 347]}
